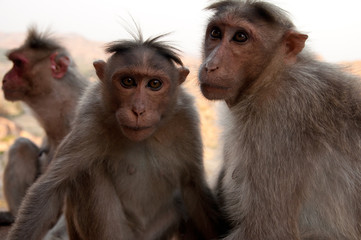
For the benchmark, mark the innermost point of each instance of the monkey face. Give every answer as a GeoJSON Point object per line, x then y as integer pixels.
{"type": "Point", "coordinates": [14, 85]}
{"type": "Point", "coordinates": [233, 58]}
{"type": "Point", "coordinates": [29, 77]}
{"type": "Point", "coordinates": [142, 86]}
{"type": "Point", "coordinates": [142, 102]}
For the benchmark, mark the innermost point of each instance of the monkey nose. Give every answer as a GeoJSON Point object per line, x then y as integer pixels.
{"type": "Point", "coordinates": [210, 69]}
{"type": "Point", "coordinates": [138, 112]}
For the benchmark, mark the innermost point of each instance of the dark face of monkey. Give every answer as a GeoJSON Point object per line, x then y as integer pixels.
{"type": "Point", "coordinates": [142, 84]}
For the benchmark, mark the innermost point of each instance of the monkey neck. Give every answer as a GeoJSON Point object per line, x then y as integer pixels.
{"type": "Point", "coordinates": [54, 112]}
{"type": "Point", "coordinates": [264, 87]}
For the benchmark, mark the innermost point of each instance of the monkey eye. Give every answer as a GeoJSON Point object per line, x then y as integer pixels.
{"type": "Point", "coordinates": [128, 82]}
{"type": "Point", "coordinates": [240, 37]}
{"type": "Point", "coordinates": [155, 84]}
{"type": "Point", "coordinates": [216, 33]}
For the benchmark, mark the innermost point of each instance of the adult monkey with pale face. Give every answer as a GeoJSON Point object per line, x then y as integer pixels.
{"type": "Point", "coordinates": [131, 168]}
{"type": "Point", "coordinates": [292, 167]}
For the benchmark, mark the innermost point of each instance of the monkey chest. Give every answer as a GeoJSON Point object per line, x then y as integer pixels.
{"type": "Point", "coordinates": [131, 188]}
{"type": "Point", "coordinates": [143, 172]}
{"type": "Point", "coordinates": [142, 188]}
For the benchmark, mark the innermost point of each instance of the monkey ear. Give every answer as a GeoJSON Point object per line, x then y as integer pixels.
{"type": "Point", "coordinates": [59, 65]}
{"type": "Point", "coordinates": [183, 73]}
{"type": "Point", "coordinates": [99, 66]}
{"type": "Point", "coordinates": [294, 43]}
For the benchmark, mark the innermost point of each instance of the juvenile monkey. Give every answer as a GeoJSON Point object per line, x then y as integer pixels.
{"type": "Point", "coordinates": [131, 168]}
{"type": "Point", "coordinates": [292, 167]}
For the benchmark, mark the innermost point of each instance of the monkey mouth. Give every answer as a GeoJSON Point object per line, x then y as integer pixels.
{"type": "Point", "coordinates": [137, 133]}
{"type": "Point", "coordinates": [6, 88]}
{"type": "Point", "coordinates": [210, 88]}
{"type": "Point", "coordinates": [136, 128]}
{"type": "Point", "coordinates": [11, 94]}
{"type": "Point", "coordinates": [214, 92]}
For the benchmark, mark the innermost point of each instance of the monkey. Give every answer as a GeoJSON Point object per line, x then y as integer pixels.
{"type": "Point", "coordinates": [46, 79]}
{"type": "Point", "coordinates": [131, 167]}
{"type": "Point", "coordinates": [292, 128]}
{"type": "Point", "coordinates": [43, 77]}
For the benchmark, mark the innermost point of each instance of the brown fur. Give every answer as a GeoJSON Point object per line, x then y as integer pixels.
{"type": "Point", "coordinates": [121, 180]}
{"type": "Point", "coordinates": [44, 78]}
{"type": "Point", "coordinates": [292, 167]}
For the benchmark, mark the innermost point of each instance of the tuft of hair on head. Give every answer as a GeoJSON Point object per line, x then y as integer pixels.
{"type": "Point", "coordinates": [254, 10]}
{"type": "Point", "coordinates": [41, 41]}
{"type": "Point", "coordinates": [164, 48]}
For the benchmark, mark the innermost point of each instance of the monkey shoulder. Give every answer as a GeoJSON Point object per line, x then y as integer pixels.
{"type": "Point", "coordinates": [89, 128]}
{"type": "Point", "coordinates": [186, 110]}
{"type": "Point", "coordinates": [315, 107]}
{"type": "Point", "coordinates": [181, 132]}
{"type": "Point", "coordinates": [331, 87]}
{"type": "Point", "coordinates": [182, 119]}
{"type": "Point", "coordinates": [93, 116]}
{"type": "Point", "coordinates": [90, 101]}
{"type": "Point", "coordinates": [186, 120]}
{"type": "Point", "coordinates": [310, 88]}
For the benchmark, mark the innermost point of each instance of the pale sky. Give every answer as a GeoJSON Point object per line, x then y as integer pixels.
{"type": "Point", "coordinates": [333, 26]}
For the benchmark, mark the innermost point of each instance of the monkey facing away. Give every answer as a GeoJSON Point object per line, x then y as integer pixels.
{"type": "Point", "coordinates": [44, 77]}
{"type": "Point", "coordinates": [131, 168]}
{"type": "Point", "coordinates": [292, 167]}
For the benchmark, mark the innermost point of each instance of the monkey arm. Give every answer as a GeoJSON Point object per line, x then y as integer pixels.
{"type": "Point", "coordinates": [20, 172]}
{"type": "Point", "coordinates": [167, 220]}
{"type": "Point", "coordinates": [45, 199]}
{"type": "Point", "coordinates": [39, 210]}
{"type": "Point", "coordinates": [202, 208]}
{"type": "Point", "coordinates": [266, 188]}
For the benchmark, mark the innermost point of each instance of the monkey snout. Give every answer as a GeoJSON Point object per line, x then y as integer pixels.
{"type": "Point", "coordinates": [210, 68]}
{"type": "Point", "coordinates": [138, 112]}
{"type": "Point", "coordinates": [5, 78]}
